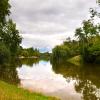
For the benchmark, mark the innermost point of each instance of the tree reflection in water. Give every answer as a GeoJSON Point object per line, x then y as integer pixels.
{"type": "Point", "coordinates": [29, 61]}
{"type": "Point", "coordinates": [8, 73]}
{"type": "Point", "coordinates": [87, 80]}
{"type": "Point", "coordinates": [86, 76]}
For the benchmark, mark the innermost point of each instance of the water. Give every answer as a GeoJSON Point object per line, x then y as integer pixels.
{"type": "Point", "coordinates": [65, 81]}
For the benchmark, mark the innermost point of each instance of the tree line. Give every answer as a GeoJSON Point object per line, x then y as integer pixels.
{"type": "Point", "coordinates": [28, 52]}
{"type": "Point", "coordinates": [87, 43]}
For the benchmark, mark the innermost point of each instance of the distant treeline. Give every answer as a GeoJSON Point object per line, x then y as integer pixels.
{"type": "Point", "coordinates": [28, 52]}
{"type": "Point", "coordinates": [32, 53]}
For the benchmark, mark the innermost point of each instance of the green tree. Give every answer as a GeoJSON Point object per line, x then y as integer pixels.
{"type": "Point", "coordinates": [73, 45]}
{"type": "Point", "coordinates": [4, 10]}
{"type": "Point", "coordinates": [79, 33]}
{"type": "Point", "coordinates": [10, 36]}
{"type": "Point", "coordinates": [4, 53]}
{"type": "Point", "coordinates": [86, 35]}
{"type": "Point", "coordinates": [60, 53]}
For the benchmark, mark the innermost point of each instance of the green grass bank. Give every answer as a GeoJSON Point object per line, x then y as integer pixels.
{"type": "Point", "coordinates": [11, 92]}
{"type": "Point", "coordinates": [77, 60]}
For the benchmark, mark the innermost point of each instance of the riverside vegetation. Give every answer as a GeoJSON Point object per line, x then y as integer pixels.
{"type": "Point", "coordinates": [87, 44]}
{"type": "Point", "coordinates": [85, 49]}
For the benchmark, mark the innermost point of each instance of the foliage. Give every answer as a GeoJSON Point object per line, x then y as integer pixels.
{"type": "Point", "coordinates": [87, 34]}
{"type": "Point", "coordinates": [4, 10]}
{"type": "Point", "coordinates": [73, 46]}
{"type": "Point", "coordinates": [94, 12]}
{"type": "Point", "coordinates": [10, 36]}
{"type": "Point", "coordinates": [29, 52]}
{"type": "Point", "coordinates": [68, 49]}
{"type": "Point", "coordinates": [4, 53]}
{"type": "Point", "coordinates": [60, 53]}
{"type": "Point", "coordinates": [87, 45]}
{"type": "Point", "coordinates": [93, 51]}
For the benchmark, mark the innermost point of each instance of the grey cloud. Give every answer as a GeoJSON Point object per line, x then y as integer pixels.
{"type": "Point", "coordinates": [49, 17]}
{"type": "Point", "coordinates": [56, 11]}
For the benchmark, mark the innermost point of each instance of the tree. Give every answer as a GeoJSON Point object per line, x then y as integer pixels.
{"type": "Point", "coordinates": [86, 35]}
{"type": "Point", "coordinates": [60, 53]}
{"type": "Point", "coordinates": [9, 35]}
{"type": "Point", "coordinates": [94, 12]}
{"type": "Point", "coordinates": [4, 53]}
{"type": "Point", "coordinates": [89, 28]}
{"type": "Point", "coordinates": [4, 10]}
{"type": "Point", "coordinates": [79, 33]}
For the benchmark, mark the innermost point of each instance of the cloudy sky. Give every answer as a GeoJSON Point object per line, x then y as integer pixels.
{"type": "Point", "coordinates": [46, 23]}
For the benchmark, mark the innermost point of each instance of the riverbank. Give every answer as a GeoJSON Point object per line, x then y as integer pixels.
{"type": "Point", "coordinates": [77, 60]}
{"type": "Point", "coordinates": [22, 57]}
{"type": "Point", "coordinates": [11, 92]}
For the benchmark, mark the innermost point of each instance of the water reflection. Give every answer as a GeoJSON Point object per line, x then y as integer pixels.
{"type": "Point", "coordinates": [86, 76]}
{"type": "Point", "coordinates": [64, 80]}
{"type": "Point", "coordinates": [9, 74]}
{"type": "Point", "coordinates": [29, 62]}
{"type": "Point", "coordinates": [41, 78]}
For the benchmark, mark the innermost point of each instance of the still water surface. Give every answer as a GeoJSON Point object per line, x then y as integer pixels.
{"type": "Point", "coordinates": [65, 81]}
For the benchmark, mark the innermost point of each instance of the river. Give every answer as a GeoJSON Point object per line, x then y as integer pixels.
{"type": "Point", "coordinates": [65, 81]}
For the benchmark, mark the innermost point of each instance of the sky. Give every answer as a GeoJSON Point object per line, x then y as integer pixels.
{"type": "Point", "coordinates": [44, 24]}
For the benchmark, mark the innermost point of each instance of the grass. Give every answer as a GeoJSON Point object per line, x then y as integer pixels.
{"type": "Point", "coordinates": [77, 60]}
{"type": "Point", "coordinates": [11, 92]}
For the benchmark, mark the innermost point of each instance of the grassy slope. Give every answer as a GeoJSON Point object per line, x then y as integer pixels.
{"type": "Point", "coordinates": [10, 92]}
{"type": "Point", "coordinates": [77, 60]}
